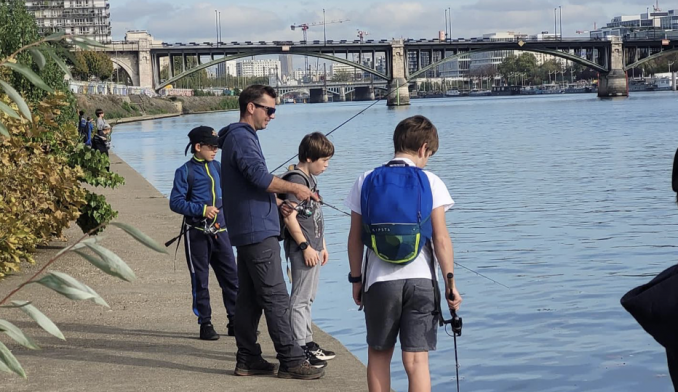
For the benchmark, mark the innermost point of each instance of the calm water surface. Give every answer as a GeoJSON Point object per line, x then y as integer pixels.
{"type": "Point", "coordinates": [565, 199]}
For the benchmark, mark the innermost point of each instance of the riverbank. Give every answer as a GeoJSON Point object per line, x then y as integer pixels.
{"type": "Point", "coordinates": [121, 109]}
{"type": "Point", "coordinates": [147, 340]}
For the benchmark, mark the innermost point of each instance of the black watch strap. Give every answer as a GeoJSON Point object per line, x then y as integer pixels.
{"type": "Point", "coordinates": [303, 245]}
{"type": "Point", "coordinates": [354, 279]}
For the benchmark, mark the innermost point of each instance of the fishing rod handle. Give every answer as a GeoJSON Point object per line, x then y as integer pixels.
{"type": "Point", "coordinates": [450, 284]}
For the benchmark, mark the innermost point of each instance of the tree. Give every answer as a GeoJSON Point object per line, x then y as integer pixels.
{"type": "Point", "coordinates": [342, 75]}
{"type": "Point", "coordinates": [90, 64]}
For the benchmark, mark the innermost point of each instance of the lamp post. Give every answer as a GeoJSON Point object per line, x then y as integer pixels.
{"type": "Point", "coordinates": [560, 10]}
{"type": "Point", "coordinates": [216, 25]}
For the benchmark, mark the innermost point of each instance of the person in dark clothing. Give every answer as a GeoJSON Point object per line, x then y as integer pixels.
{"type": "Point", "coordinates": [251, 211]}
{"type": "Point", "coordinates": [655, 305]}
{"type": "Point", "coordinates": [196, 195]}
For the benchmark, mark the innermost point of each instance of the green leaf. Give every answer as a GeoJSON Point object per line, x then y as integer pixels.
{"type": "Point", "coordinates": [56, 36]}
{"type": "Point", "coordinates": [42, 320]}
{"type": "Point", "coordinates": [3, 130]}
{"type": "Point", "coordinates": [38, 57]}
{"type": "Point", "coordinates": [16, 97]}
{"type": "Point", "coordinates": [9, 111]}
{"type": "Point", "coordinates": [88, 41]}
{"type": "Point", "coordinates": [80, 286]}
{"type": "Point", "coordinates": [15, 333]}
{"type": "Point", "coordinates": [4, 368]}
{"type": "Point", "coordinates": [69, 287]}
{"type": "Point", "coordinates": [141, 237]}
{"type": "Point", "coordinates": [10, 361]}
{"type": "Point", "coordinates": [59, 62]}
{"type": "Point", "coordinates": [108, 262]}
{"type": "Point", "coordinates": [83, 243]}
{"type": "Point", "coordinates": [30, 75]}
{"type": "Point", "coordinates": [15, 306]}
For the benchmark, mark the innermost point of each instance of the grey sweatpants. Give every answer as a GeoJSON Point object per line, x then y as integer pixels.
{"type": "Point", "coordinates": [304, 288]}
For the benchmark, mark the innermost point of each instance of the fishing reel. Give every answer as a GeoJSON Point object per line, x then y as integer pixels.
{"type": "Point", "coordinates": [302, 209]}
{"type": "Point", "coordinates": [455, 321]}
{"type": "Point", "coordinates": [209, 228]}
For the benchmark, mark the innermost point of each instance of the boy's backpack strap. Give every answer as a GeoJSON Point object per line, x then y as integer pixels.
{"type": "Point", "coordinates": [294, 170]}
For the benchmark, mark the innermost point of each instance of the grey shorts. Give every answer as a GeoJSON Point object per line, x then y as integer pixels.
{"type": "Point", "coordinates": [401, 307]}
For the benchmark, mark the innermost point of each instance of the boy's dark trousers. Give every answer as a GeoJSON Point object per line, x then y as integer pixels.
{"type": "Point", "coordinates": [672, 355]}
{"type": "Point", "coordinates": [202, 251]}
{"type": "Point", "coordinates": [262, 287]}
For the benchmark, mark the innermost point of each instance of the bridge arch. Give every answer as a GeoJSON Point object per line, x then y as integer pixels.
{"type": "Point", "coordinates": [556, 53]}
{"type": "Point", "coordinates": [269, 52]}
{"type": "Point", "coordinates": [127, 68]}
{"type": "Point", "coordinates": [651, 57]}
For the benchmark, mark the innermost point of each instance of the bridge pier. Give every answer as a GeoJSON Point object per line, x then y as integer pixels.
{"type": "Point", "coordinates": [318, 95]}
{"type": "Point", "coordinates": [364, 93]}
{"type": "Point", "coordinates": [342, 94]}
{"type": "Point", "coordinates": [614, 83]}
{"type": "Point", "coordinates": [398, 93]}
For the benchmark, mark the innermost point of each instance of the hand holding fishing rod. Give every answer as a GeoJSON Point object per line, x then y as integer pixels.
{"type": "Point", "coordinates": [455, 321]}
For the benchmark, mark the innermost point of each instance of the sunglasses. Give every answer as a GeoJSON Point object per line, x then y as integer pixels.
{"type": "Point", "coordinates": [269, 110]}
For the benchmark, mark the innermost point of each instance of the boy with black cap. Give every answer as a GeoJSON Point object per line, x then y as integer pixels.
{"type": "Point", "coordinates": [196, 195]}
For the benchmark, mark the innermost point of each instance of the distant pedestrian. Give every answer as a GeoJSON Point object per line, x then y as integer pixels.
{"type": "Point", "coordinates": [253, 225]}
{"type": "Point", "coordinates": [196, 195]}
{"type": "Point", "coordinates": [89, 128]}
{"type": "Point", "coordinates": [82, 128]}
{"type": "Point", "coordinates": [100, 119]}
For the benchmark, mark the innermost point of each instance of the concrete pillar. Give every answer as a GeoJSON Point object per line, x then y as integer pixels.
{"type": "Point", "coordinates": [614, 83]}
{"type": "Point", "coordinates": [364, 93]}
{"type": "Point", "coordinates": [342, 94]}
{"type": "Point", "coordinates": [318, 95]}
{"type": "Point", "coordinates": [673, 81]}
{"type": "Point", "coordinates": [171, 66]}
{"type": "Point", "coordinates": [398, 93]}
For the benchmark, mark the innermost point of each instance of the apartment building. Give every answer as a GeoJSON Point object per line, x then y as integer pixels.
{"type": "Point", "coordinates": [89, 18]}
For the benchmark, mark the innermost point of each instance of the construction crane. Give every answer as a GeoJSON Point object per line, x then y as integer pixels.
{"type": "Point", "coordinates": [362, 34]}
{"type": "Point", "coordinates": [305, 26]}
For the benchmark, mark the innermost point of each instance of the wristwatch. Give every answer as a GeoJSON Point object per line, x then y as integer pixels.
{"type": "Point", "coordinates": [356, 279]}
{"type": "Point", "coordinates": [303, 245]}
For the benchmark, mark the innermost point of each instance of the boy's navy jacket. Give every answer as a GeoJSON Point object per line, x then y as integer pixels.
{"type": "Point", "coordinates": [251, 212]}
{"type": "Point", "coordinates": [206, 190]}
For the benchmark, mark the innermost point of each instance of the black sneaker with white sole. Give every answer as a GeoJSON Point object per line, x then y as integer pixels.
{"type": "Point", "coordinates": [320, 353]}
{"type": "Point", "coordinates": [313, 360]}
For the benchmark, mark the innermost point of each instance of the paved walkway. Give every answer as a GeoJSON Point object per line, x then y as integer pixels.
{"type": "Point", "coordinates": [148, 340]}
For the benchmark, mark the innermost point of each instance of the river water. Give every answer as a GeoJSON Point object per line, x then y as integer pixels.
{"type": "Point", "coordinates": [565, 199]}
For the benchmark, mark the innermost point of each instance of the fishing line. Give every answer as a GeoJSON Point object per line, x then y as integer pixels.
{"type": "Point", "coordinates": [346, 213]}
{"type": "Point", "coordinates": [344, 123]}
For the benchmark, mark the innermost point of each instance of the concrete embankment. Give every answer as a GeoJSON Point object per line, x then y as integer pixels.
{"type": "Point", "coordinates": [123, 108]}
{"type": "Point", "coordinates": [147, 340]}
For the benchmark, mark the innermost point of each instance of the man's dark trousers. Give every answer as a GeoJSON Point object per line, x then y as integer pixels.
{"type": "Point", "coordinates": [262, 287]}
{"type": "Point", "coordinates": [202, 251]}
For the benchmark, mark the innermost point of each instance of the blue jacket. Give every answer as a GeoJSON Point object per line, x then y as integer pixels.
{"type": "Point", "coordinates": [206, 191]}
{"type": "Point", "coordinates": [251, 212]}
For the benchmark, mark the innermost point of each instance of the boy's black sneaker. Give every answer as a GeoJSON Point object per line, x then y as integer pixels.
{"type": "Point", "coordinates": [320, 353]}
{"type": "Point", "coordinates": [313, 360]}
{"type": "Point", "coordinates": [259, 368]}
{"type": "Point", "coordinates": [229, 330]}
{"type": "Point", "coordinates": [301, 372]}
{"type": "Point", "coordinates": [207, 332]}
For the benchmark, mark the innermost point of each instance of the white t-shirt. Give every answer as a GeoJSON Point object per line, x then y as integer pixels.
{"type": "Point", "coordinates": [382, 271]}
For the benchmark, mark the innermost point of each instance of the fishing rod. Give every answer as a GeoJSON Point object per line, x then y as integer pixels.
{"type": "Point", "coordinates": [342, 124]}
{"type": "Point", "coordinates": [346, 213]}
{"type": "Point", "coordinates": [456, 322]}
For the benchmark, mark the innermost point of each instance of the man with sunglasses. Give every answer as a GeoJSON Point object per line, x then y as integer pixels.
{"type": "Point", "coordinates": [251, 210]}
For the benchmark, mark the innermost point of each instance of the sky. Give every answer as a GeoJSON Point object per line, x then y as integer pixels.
{"type": "Point", "coordinates": [265, 20]}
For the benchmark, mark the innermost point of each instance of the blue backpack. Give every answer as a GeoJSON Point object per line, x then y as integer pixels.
{"type": "Point", "coordinates": [396, 204]}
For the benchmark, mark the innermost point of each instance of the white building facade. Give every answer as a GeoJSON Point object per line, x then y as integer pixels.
{"type": "Point", "coordinates": [89, 18]}
{"type": "Point", "coordinates": [258, 68]}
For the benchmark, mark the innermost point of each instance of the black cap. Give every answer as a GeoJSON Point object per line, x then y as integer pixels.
{"type": "Point", "coordinates": [202, 135]}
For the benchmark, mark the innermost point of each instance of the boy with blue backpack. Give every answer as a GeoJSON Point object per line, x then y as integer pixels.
{"type": "Point", "coordinates": [398, 213]}
{"type": "Point", "coordinates": [196, 195]}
